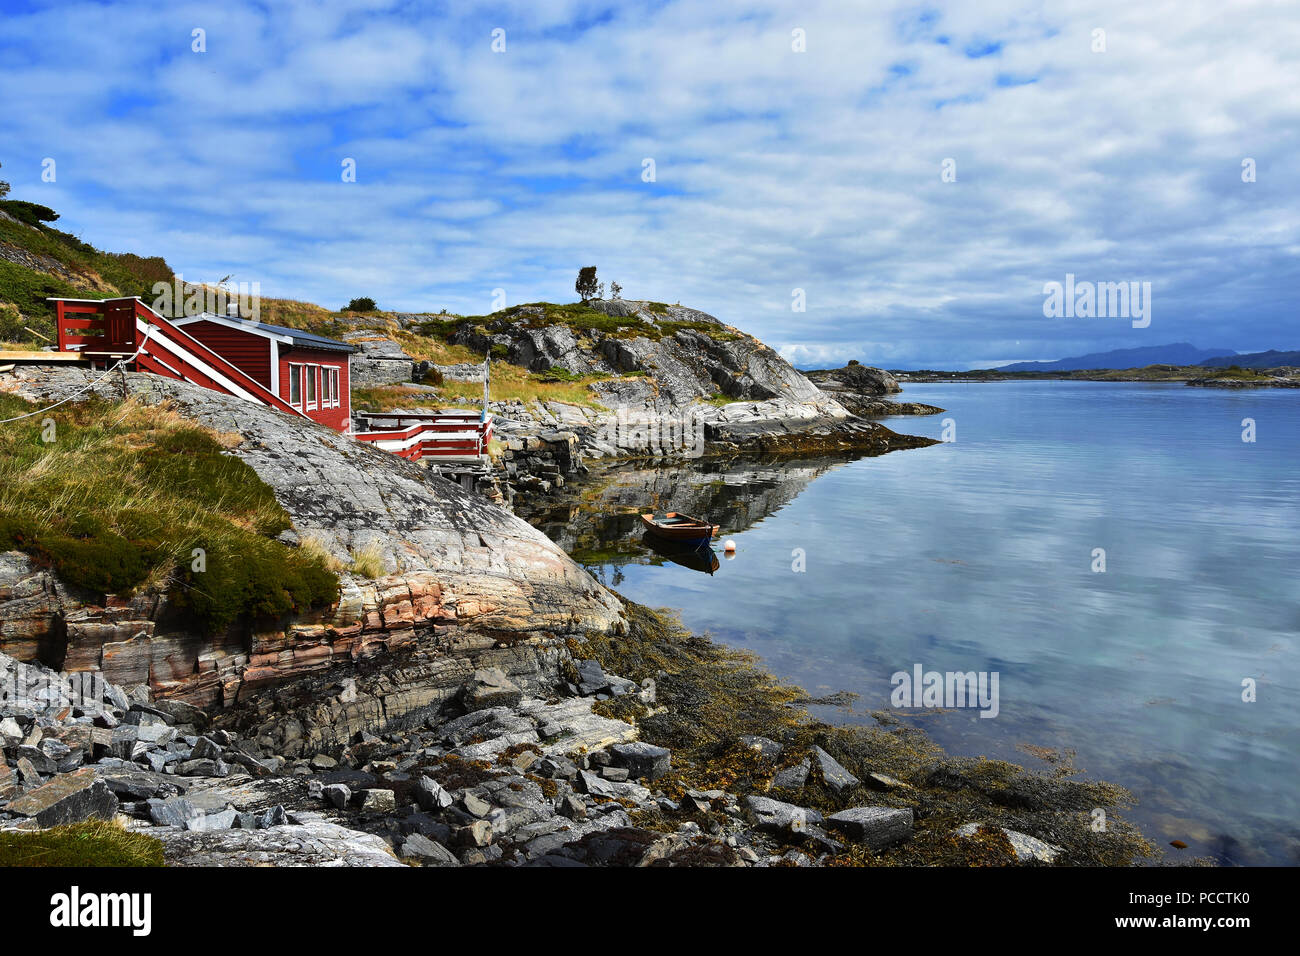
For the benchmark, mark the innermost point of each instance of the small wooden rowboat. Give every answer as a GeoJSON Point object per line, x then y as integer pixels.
{"type": "Point", "coordinates": [675, 526]}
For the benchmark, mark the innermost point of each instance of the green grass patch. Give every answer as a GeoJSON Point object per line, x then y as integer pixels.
{"type": "Point", "coordinates": [389, 398]}
{"type": "Point", "coordinates": [92, 843]}
{"type": "Point", "coordinates": [1233, 372]}
{"type": "Point", "coordinates": [440, 329]}
{"type": "Point", "coordinates": [579, 318]}
{"type": "Point", "coordinates": [122, 495]}
{"type": "Point", "coordinates": [127, 274]}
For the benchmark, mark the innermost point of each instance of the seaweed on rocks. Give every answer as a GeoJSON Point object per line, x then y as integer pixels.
{"type": "Point", "coordinates": [710, 696]}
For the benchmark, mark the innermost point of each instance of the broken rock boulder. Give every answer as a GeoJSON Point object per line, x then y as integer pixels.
{"type": "Point", "coordinates": [642, 760]}
{"type": "Point", "coordinates": [68, 798]}
{"type": "Point", "coordinates": [876, 827]}
{"type": "Point", "coordinates": [490, 687]}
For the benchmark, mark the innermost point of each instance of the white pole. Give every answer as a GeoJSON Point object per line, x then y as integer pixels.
{"type": "Point", "coordinates": [487, 374]}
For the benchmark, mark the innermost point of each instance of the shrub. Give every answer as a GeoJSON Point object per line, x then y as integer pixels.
{"type": "Point", "coordinates": [11, 323]}
{"type": "Point", "coordinates": [29, 212]}
{"type": "Point", "coordinates": [441, 329]}
{"type": "Point", "coordinates": [365, 304]}
{"type": "Point", "coordinates": [146, 270]}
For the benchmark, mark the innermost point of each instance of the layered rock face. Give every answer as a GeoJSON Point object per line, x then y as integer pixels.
{"type": "Point", "coordinates": [465, 584]}
{"type": "Point", "coordinates": [378, 360]}
{"type": "Point", "coordinates": [863, 379]}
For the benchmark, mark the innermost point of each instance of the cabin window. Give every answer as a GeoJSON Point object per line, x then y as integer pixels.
{"type": "Point", "coordinates": [312, 371]}
{"type": "Point", "coordinates": [295, 385]}
{"type": "Point", "coordinates": [334, 387]}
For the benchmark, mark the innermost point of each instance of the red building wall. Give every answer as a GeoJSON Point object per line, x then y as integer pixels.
{"type": "Point", "coordinates": [251, 353]}
{"type": "Point", "coordinates": [316, 360]}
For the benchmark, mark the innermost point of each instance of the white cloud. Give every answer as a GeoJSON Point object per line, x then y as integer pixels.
{"type": "Point", "coordinates": [775, 169]}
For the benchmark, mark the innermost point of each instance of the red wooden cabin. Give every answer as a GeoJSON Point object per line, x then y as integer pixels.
{"type": "Point", "coordinates": [310, 372]}
{"type": "Point", "coordinates": [286, 369]}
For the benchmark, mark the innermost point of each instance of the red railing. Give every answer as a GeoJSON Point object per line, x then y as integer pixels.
{"type": "Point", "coordinates": [441, 435]}
{"type": "Point", "coordinates": [99, 328]}
{"type": "Point", "coordinates": [170, 349]}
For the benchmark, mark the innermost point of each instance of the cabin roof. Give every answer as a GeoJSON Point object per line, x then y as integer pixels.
{"type": "Point", "coordinates": [282, 333]}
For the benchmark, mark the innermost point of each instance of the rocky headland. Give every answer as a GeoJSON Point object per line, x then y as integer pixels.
{"type": "Point", "coordinates": [660, 381]}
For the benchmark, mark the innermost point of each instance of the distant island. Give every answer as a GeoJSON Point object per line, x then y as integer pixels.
{"type": "Point", "coordinates": [1176, 362]}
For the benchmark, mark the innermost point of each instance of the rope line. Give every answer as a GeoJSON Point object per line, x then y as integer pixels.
{"type": "Point", "coordinates": [87, 386]}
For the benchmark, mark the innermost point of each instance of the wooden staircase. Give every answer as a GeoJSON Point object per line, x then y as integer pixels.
{"type": "Point", "coordinates": [106, 331]}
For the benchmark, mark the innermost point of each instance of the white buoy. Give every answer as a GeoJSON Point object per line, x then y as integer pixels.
{"type": "Point", "coordinates": [729, 546]}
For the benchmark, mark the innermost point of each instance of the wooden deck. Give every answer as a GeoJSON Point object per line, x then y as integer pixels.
{"type": "Point", "coordinates": [43, 357]}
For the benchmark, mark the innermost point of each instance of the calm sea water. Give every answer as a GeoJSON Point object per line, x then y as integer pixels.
{"type": "Point", "coordinates": [978, 555]}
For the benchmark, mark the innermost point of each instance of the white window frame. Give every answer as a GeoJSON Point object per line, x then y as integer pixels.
{"type": "Point", "coordinates": [312, 397]}
{"type": "Point", "coordinates": [295, 376]}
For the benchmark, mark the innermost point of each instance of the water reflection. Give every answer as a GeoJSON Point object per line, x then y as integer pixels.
{"type": "Point", "coordinates": [601, 528]}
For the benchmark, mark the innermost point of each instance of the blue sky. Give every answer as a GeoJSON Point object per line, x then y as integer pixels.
{"type": "Point", "coordinates": [776, 170]}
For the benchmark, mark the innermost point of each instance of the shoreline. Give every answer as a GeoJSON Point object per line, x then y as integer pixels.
{"type": "Point", "coordinates": [660, 748]}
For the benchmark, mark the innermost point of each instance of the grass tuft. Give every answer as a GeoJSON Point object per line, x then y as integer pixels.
{"type": "Point", "coordinates": [92, 843]}
{"type": "Point", "coordinates": [368, 561]}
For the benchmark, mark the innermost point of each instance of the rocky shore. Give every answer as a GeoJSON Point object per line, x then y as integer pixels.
{"type": "Point", "coordinates": [861, 389]}
{"type": "Point", "coordinates": [501, 777]}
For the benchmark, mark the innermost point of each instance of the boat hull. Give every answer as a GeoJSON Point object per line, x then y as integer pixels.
{"type": "Point", "coordinates": [680, 529]}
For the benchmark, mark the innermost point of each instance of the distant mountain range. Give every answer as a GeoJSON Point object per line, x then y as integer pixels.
{"type": "Point", "coordinates": [1269, 359]}
{"type": "Point", "coordinates": [1179, 353]}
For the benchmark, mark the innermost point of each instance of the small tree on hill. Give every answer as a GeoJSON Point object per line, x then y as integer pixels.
{"type": "Point", "coordinates": [586, 284]}
{"type": "Point", "coordinates": [4, 189]}
{"type": "Point", "coordinates": [615, 290]}
{"type": "Point", "coordinates": [366, 304]}
{"type": "Point", "coordinates": [32, 213]}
